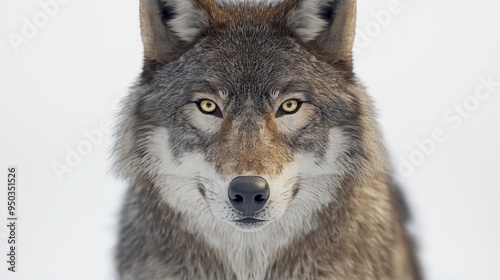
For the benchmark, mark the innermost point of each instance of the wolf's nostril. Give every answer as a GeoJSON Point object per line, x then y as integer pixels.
{"type": "Point", "coordinates": [248, 194]}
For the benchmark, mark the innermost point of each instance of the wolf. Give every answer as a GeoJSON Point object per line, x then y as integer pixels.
{"type": "Point", "coordinates": [251, 150]}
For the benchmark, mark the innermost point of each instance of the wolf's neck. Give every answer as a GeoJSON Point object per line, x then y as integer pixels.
{"type": "Point", "coordinates": [247, 254]}
{"type": "Point", "coordinates": [250, 262]}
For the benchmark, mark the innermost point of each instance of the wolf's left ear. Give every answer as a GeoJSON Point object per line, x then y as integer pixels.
{"type": "Point", "coordinates": [169, 27]}
{"type": "Point", "coordinates": [328, 26]}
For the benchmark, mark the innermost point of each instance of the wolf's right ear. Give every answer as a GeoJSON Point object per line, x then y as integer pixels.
{"type": "Point", "coordinates": [168, 27]}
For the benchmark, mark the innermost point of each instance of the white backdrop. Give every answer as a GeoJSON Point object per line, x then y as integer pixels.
{"type": "Point", "coordinates": [432, 68]}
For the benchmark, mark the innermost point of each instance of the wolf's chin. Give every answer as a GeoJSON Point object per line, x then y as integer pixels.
{"type": "Point", "coordinates": [249, 227]}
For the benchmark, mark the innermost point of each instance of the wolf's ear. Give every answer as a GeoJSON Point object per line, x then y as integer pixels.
{"type": "Point", "coordinates": [168, 27]}
{"type": "Point", "coordinates": [328, 26]}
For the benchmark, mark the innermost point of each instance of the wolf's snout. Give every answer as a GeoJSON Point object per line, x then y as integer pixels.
{"type": "Point", "coordinates": [248, 194]}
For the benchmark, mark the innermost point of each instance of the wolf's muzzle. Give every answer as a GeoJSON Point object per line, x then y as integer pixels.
{"type": "Point", "coordinates": [248, 194]}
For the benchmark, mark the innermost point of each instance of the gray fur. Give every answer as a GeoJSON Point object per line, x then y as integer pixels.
{"type": "Point", "coordinates": [244, 58]}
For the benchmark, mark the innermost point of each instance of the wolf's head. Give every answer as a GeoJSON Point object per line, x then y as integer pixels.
{"type": "Point", "coordinates": [247, 110]}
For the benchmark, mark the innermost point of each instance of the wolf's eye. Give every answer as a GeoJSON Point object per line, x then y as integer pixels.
{"type": "Point", "coordinates": [208, 106]}
{"type": "Point", "coordinates": [291, 106]}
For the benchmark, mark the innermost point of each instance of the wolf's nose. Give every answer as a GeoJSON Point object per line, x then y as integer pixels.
{"type": "Point", "coordinates": [248, 194]}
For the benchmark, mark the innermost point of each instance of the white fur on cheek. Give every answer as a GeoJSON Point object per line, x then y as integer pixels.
{"type": "Point", "coordinates": [329, 164]}
{"type": "Point", "coordinates": [318, 178]}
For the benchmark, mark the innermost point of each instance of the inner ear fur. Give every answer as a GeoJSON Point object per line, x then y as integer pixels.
{"type": "Point", "coordinates": [327, 27]}
{"type": "Point", "coordinates": [169, 27]}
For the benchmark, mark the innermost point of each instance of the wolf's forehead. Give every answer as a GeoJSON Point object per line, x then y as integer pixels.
{"type": "Point", "coordinates": [257, 78]}
{"type": "Point", "coordinates": [251, 77]}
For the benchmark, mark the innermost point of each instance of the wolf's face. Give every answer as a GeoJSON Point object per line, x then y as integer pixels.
{"type": "Point", "coordinates": [250, 120]}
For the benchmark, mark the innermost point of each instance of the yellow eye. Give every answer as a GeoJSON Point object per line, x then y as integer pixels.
{"type": "Point", "coordinates": [290, 106]}
{"type": "Point", "coordinates": [207, 106]}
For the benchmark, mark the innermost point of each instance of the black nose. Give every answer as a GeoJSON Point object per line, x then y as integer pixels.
{"type": "Point", "coordinates": [248, 194]}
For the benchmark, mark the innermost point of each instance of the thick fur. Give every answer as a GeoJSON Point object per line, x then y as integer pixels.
{"type": "Point", "coordinates": [332, 213]}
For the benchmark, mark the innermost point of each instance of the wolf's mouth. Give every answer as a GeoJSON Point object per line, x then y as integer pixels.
{"type": "Point", "coordinates": [249, 224]}
{"type": "Point", "coordinates": [249, 220]}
